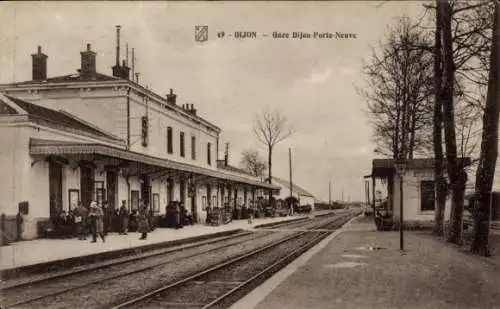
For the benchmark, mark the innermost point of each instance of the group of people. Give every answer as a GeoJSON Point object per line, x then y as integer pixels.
{"type": "Point", "coordinates": [97, 220]}
{"type": "Point", "coordinates": [176, 215]}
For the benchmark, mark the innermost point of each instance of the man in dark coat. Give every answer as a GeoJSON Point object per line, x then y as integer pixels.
{"type": "Point", "coordinates": [124, 216]}
{"type": "Point", "coordinates": [96, 218]}
{"type": "Point", "coordinates": [142, 222]}
{"type": "Point", "coordinates": [182, 215]}
{"type": "Point", "coordinates": [105, 218]}
{"type": "Point", "coordinates": [177, 214]}
{"type": "Point", "coordinates": [81, 221]}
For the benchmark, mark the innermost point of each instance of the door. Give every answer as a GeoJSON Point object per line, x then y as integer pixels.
{"type": "Point", "coordinates": [111, 188]}
{"type": "Point", "coordinates": [86, 185]}
{"type": "Point", "coordinates": [193, 204]}
{"type": "Point", "coordinates": [146, 190]}
{"type": "Point", "coordinates": [55, 188]}
{"type": "Point", "coordinates": [134, 200]}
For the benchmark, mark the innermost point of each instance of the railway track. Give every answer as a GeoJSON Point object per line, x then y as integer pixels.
{"type": "Point", "coordinates": [221, 285]}
{"type": "Point", "coordinates": [45, 291]}
{"type": "Point", "coordinates": [301, 223]}
{"type": "Point", "coordinates": [16, 296]}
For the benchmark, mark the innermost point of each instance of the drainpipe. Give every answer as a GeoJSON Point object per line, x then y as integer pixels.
{"type": "Point", "coordinates": [217, 157]}
{"type": "Point", "coordinates": [128, 120]}
{"type": "Point", "coordinates": [128, 194]}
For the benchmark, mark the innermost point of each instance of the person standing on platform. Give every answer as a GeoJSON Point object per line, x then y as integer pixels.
{"type": "Point", "coordinates": [96, 218]}
{"type": "Point", "coordinates": [81, 221]}
{"type": "Point", "coordinates": [177, 214]}
{"type": "Point", "coordinates": [105, 218]}
{"type": "Point", "coordinates": [142, 222]}
{"type": "Point", "coordinates": [62, 227]}
{"type": "Point", "coordinates": [182, 215]}
{"type": "Point", "coordinates": [123, 215]}
{"type": "Point", "coordinates": [150, 218]}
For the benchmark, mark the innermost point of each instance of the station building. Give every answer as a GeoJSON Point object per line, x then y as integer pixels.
{"type": "Point", "coordinates": [303, 196]}
{"type": "Point", "coordinates": [91, 136]}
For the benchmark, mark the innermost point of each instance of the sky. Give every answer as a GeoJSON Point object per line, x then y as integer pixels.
{"type": "Point", "coordinates": [310, 81]}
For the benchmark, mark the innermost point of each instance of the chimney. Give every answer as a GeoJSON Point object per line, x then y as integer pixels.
{"type": "Point", "coordinates": [171, 97]}
{"type": "Point", "coordinates": [117, 72]}
{"type": "Point", "coordinates": [125, 71]}
{"type": "Point", "coordinates": [191, 109]}
{"type": "Point", "coordinates": [88, 68]}
{"type": "Point", "coordinates": [39, 65]}
{"type": "Point", "coordinates": [226, 154]}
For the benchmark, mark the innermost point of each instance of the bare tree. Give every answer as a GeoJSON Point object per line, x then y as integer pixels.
{"type": "Point", "coordinates": [271, 128]}
{"type": "Point", "coordinates": [252, 162]}
{"type": "Point", "coordinates": [441, 183]}
{"type": "Point", "coordinates": [460, 48]}
{"type": "Point", "coordinates": [489, 146]}
{"type": "Point", "coordinates": [455, 171]}
{"type": "Point", "coordinates": [399, 92]}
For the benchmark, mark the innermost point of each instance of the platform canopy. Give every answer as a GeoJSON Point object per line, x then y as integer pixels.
{"type": "Point", "coordinates": [61, 148]}
{"type": "Point", "coordinates": [383, 168]}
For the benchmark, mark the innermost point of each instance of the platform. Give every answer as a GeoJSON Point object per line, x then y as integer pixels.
{"type": "Point", "coordinates": [358, 267]}
{"type": "Point", "coordinates": [25, 253]}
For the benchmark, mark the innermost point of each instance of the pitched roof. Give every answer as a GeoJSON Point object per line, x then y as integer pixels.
{"type": "Point", "coordinates": [221, 165]}
{"type": "Point", "coordinates": [384, 167]}
{"type": "Point", "coordinates": [68, 79]}
{"type": "Point", "coordinates": [295, 188]}
{"type": "Point", "coordinates": [413, 163]}
{"type": "Point", "coordinates": [36, 112]}
{"type": "Point", "coordinates": [99, 77]}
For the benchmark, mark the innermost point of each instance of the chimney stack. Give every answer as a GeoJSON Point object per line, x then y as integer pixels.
{"type": "Point", "coordinates": [39, 66]}
{"type": "Point", "coordinates": [191, 110]}
{"type": "Point", "coordinates": [226, 155]}
{"type": "Point", "coordinates": [117, 72]}
{"type": "Point", "coordinates": [125, 71]}
{"type": "Point", "coordinates": [171, 97]}
{"type": "Point", "coordinates": [118, 45]}
{"type": "Point", "coordinates": [88, 66]}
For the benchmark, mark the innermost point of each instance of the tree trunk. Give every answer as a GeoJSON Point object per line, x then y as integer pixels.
{"type": "Point", "coordinates": [489, 147]}
{"type": "Point", "coordinates": [440, 182]}
{"type": "Point", "coordinates": [269, 162]}
{"type": "Point", "coordinates": [453, 166]}
{"type": "Point", "coordinates": [412, 132]}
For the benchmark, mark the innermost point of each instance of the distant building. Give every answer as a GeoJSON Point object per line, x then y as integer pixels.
{"type": "Point", "coordinates": [303, 196]}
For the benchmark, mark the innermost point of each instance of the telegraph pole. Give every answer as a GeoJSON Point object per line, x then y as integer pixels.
{"type": "Point", "coordinates": [329, 192]}
{"type": "Point", "coordinates": [291, 184]}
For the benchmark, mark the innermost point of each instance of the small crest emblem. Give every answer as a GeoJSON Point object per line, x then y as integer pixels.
{"type": "Point", "coordinates": [201, 33]}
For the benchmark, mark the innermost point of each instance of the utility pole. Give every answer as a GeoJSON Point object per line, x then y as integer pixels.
{"type": "Point", "coordinates": [291, 184]}
{"type": "Point", "coordinates": [342, 195]}
{"type": "Point", "coordinates": [329, 192]}
{"type": "Point", "coordinates": [133, 64]}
